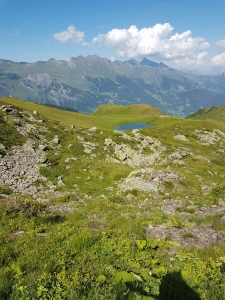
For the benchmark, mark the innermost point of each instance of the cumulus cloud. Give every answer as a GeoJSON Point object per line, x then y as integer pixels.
{"type": "Point", "coordinates": [219, 60]}
{"type": "Point", "coordinates": [70, 34]}
{"type": "Point", "coordinates": [195, 59]}
{"type": "Point", "coordinates": [153, 41]}
{"type": "Point", "coordinates": [221, 43]}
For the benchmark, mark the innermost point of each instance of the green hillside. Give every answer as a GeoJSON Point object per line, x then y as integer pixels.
{"type": "Point", "coordinates": [213, 113]}
{"type": "Point", "coordinates": [87, 212]}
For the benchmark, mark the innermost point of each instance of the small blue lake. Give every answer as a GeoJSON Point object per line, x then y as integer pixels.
{"type": "Point", "coordinates": [132, 126]}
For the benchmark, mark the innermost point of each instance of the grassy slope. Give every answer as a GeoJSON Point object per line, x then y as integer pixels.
{"type": "Point", "coordinates": [213, 113]}
{"type": "Point", "coordinates": [109, 116]}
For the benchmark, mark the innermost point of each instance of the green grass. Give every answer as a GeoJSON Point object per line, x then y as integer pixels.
{"type": "Point", "coordinates": [208, 220]}
{"type": "Point", "coordinates": [219, 226]}
{"type": "Point", "coordinates": [188, 235]}
{"type": "Point", "coordinates": [6, 190]}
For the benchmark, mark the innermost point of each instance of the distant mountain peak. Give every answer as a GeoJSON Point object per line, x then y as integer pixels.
{"type": "Point", "coordinates": [133, 62]}
{"type": "Point", "coordinates": [77, 58]}
{"type": "Point", "coordinates": [146, 62]}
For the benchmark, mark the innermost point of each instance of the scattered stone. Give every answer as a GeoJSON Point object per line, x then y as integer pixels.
{"type": "Point", "coordinates": [80, 138]}
{"type": "Point", "coordinates": [70, 158]}
{"type": "Point", "coordinates": [17, 233]}
{"type": "Point", "coordinates": [56, 140]}
{"type": "Point", "coordinates": [205, 188]}
{"type": "Point", "coordinates": [22, 173]}
{"type": "Point", "coordinates": [110, 188]}
{"type": "Point", "coordinates": [60, 182]}
{"type": "Point", "coordinates": [210, 172]}
{"type": "Point", "coordinates": [92, 129]}
{"type": "Point", "coordinates": [42, 234]}
{"type": "Point", "coordinates": [181, 137]}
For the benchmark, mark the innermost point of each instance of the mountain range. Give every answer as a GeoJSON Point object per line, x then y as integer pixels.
{"type": "Point", "coordinates": [84, 83]}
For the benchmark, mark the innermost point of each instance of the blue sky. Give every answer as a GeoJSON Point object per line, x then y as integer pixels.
{"type": "Point", "coordinates": [183, 34]}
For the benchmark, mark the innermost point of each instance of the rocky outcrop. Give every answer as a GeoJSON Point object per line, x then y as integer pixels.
{"type": "Point", "coordinates": [209, 137]}
{"type": "Point", "coordinates": [125, 154]}
{"type": "Point", "coordinates": [187, 237]}
{"type": "Point", "coordinates": [89, 147]}
{"type": "Point", "coordinates": [178, 156]}
{"type": "Point", "coordinates": [147, 180]}
{"type": "Point", "coordinates": [19, 166]}
{"type": "Point", "coordinates": [181, 137]}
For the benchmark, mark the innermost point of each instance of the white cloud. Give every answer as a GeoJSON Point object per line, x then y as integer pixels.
{"type": "Point", "coordinates": [154, 41]}
{"type": "Point", "coordinates": [70, 34]}
{"type": "Point", "coordinates": [194, 60]}
{"type": "Point", "coordinates": [200, 57]}
{"type": "Point", "coordinates": [221, 43]}
{"type": "Point", "coordinates": [219, 60]}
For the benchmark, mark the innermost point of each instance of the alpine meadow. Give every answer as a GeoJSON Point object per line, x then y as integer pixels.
{"type": "Point", "coordinates": [89, 212]}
